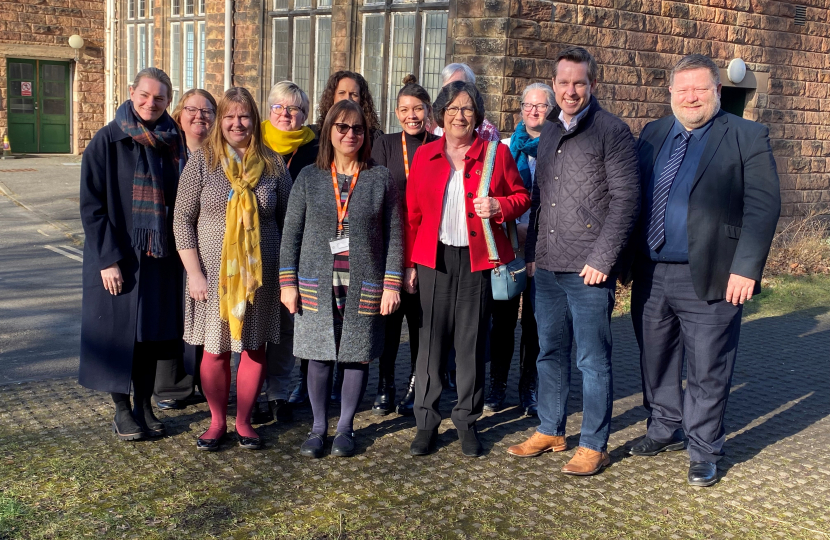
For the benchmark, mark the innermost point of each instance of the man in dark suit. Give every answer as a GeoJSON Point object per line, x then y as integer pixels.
{"type": "Point", "coordinates": [711, 202]}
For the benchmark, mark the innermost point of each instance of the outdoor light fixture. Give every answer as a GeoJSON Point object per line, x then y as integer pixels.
{"type": "Point", "coordinates": [736, 71]}
{"type": "Point", "coordinates": [76, 42]}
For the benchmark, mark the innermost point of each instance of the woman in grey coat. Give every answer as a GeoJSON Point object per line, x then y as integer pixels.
{"type": "Point", "coordinates": [343, 229]}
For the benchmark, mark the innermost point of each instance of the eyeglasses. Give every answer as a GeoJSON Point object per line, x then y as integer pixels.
{"type": "Point", "coordinates": [344, 128]}
{"type": "Point", "coordinates": [466, 111]}
{"type": "Point", "coordinates": [541, 107]}
{"type": "Point", "coordinates": [206, 113]}
{"type": "Point", "coordinates": [291, 109]}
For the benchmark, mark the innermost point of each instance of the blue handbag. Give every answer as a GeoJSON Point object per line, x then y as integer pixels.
{"type": "Point", "coordinates": [507, 280]}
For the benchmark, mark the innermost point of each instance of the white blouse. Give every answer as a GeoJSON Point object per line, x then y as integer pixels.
{"type": "Point", "coordinates": [453, 228]}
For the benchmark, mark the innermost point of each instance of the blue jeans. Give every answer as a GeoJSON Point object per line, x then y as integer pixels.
{"type": "Point", "coordinates": [567, 310]}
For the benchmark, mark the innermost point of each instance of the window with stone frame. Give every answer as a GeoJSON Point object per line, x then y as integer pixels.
{"type": "Point", "coordinates": [139, 36]}
{"type": "Point", "coordinates": [301, 45]}
{"type": "Point", "coordinates": [400, 37]}
{"type": "Point", "coordinates": [187, 46]}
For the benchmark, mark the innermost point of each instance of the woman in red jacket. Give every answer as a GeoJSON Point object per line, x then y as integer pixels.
{"type": "Point", "coordinates": [446, 253]}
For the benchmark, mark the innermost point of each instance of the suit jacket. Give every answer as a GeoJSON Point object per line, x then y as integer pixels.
{"type": "Point", "coordinates": [734, 204]}
{"type": "Point", "coordinates": [425, 189]}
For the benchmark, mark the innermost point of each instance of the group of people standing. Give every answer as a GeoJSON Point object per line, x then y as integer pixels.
{"type": "Point", "coordinates": [214, 231]}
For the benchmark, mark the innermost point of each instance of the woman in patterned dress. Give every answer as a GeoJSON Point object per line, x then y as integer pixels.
{"type": "Point", "coordinates": [343, 227]}
{"type": "Point", "coordinates": [228, 225]}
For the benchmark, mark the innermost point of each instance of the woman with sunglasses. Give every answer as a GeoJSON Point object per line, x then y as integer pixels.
{"type": "Point", "coordinates": [285, 133]}
{"type": "Point", "coordinates": [395, 151]}
{"type": "Point", "coordinates": [340, 268]}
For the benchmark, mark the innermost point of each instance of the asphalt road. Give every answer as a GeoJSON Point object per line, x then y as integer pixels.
{"type": "Point", "coordinates": [40, 268]}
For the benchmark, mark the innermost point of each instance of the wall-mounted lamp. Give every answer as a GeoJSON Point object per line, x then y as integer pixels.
{"type": "Point", "coordinates": [77, 43]}
{"type": "Point", "coordinates": [736, 71]}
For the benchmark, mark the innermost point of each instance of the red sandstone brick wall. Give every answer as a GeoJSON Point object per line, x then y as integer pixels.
{"type": "Point", "coordinates": [637, 41]}
{"type": "Point", "coordinates": [46, 25]}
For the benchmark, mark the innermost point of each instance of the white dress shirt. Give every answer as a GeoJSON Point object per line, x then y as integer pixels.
{"type": "Point", "coordinates": [453, 228]}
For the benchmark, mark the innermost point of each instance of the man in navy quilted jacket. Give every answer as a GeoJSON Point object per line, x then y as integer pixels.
{"type": "Point", "coordinates": [584, 207]}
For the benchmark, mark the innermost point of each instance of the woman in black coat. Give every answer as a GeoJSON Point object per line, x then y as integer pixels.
{"type": "Point", "coordinates": [132, 278]}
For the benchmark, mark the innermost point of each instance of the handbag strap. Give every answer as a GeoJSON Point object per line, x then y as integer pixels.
{"type": "Point", "coordinates": [513, 234]}
{"type": "Point", "coordinates": [484, 191]}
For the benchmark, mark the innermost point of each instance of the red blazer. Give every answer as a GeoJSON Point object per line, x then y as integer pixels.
{"type": "Point", "coordinates": [425, 190]}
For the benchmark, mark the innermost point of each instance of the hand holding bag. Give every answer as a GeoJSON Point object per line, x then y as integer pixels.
{"type": "Point", "coordinates": [507, 280]}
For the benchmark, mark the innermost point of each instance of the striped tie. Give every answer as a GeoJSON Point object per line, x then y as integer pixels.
{"type": "Point", "coordinates": [657, 219]}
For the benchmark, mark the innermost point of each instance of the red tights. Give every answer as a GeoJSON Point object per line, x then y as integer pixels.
{"type": "Point", "coordinates": [215, 374]}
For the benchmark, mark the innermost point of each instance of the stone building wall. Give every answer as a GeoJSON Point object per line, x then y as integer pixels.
{"type": "Point", "coordinates": [511, 43]}
{"type": "Point", "coordinates": [34, 29]}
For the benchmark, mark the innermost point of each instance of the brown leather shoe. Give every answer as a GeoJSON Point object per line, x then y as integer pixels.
{"type": "Point", "coordinates": [586, 462]}
{"type": "Point", "coordinates": [538, 444]}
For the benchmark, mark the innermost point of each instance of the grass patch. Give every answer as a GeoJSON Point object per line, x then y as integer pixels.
{"type": "Point", "coordinates": [785, 294]}
{"type": "Point", "coordinates": [10, 510]}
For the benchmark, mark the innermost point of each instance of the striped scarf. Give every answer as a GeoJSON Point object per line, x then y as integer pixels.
{"type": "Point", "coordinates": [149, 208]}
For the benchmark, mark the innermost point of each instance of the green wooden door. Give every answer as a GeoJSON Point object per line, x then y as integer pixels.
{"type": "Point", "coordinates": [23, 90]}
{"type": "Point", "coordinates": [54, 107]}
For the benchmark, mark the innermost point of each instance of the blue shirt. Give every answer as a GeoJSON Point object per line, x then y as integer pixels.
{"type": "Point", "coordinates": [676, 247]}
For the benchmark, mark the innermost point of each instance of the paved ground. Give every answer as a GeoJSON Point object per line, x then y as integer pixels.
{"type": "Point", "coordinates": [65, 476]}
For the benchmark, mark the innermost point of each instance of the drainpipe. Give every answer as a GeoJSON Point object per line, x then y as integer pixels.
{"type": "Point", "coordinates": [228, 44]}
{"type": "Point", "coordinates": [109, 68]}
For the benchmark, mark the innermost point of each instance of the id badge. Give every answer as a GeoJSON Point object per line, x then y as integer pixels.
{"type": "Point", "coordinates": [339, 245]}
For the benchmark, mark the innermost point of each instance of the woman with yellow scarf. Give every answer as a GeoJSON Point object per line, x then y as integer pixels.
{"type": "Point", "coordinates": [228, 222]}
{"type": "Point", "coordinates": [284, 132]}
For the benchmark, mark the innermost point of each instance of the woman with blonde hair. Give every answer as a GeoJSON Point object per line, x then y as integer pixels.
{"type": "Point", "coordinates": [228, 222]}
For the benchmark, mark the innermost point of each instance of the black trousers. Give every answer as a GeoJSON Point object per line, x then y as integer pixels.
{"type": "Point", "coordinates": [455, 303]}
{"type": "Point", "coordinates": [172, 380]}
{"type": "Point", "coordinates": [503, 341]}
{"type": "Point", "coordinates": [411, 309]}
{"type": "Point", "coordinates": [671, 322]}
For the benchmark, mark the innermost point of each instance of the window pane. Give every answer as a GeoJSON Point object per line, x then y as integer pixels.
{"type": "Point", "coordinates": [150, 46]}
{"type": "Point", "coordinates": [201, 7]}
{"type": "Point", "coordinates": [131, 9]}
{"type": "Point", "coordinates": [280, 4]}
{"type": "Point", "coordinates": [176, 7]}
{"type": "Point", "coordinates": [433, 50]}
{"type": "Point", "coordinates": [323, 56]}
{"type": "Point", "coordinates": [279, 50]}
{"type": "Point", "coordinates": [150, 5]}
{"type": "Point", "coordinates": [175, 55]}
{"type": "Point", "coordinates": [188, 7]}
{"type": "Point", "coordinates": [189, 56]}
{"type": "Point", "coordinates": [373, 55]}
{"type": "Point", "coordinates": [54, 106]}
{"type": "Point", "coordinates": [323, 3]}
{"type": "Point", "coordinates": [131, 52]}
{"type": "Point", "coordinates": [22, 105]}
{"type": "Point", "coordinates": [201, 55]}
{"type": "Point", "coordinates": [302, 52]}
{"type": "Point", "coordinates": [54, 72]}
{"type": "Point", "coordinates": [401, 61]}
{"type": "Point", "coordinates": [302, 4]}
{"type": "Point", "coordinates": [142, 9]}
{"type": "Point", "coordinates": [141, 48]}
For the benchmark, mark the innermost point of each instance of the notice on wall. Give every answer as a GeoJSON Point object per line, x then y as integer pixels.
{"type": "Point", "coordinates": [26, 89]}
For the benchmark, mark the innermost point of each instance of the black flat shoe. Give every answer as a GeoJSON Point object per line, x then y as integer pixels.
{"type": "Point", "coordinates": [702, 473]}
{"type": "Point", "coordinates": [249, 443]}
{"type": "Point", "coordinates": [313, 446]}
{"type": "Point", "coordinates": [261, 414]}
{"type": "Point", "coordinates": [424, 442]}
{"type": "Point", "coordinates": [209, 445]}
{"type": "Point", "coordinates": [385, 400]}
{"type": "Point", "coordinates": [169, 404]}
{"type": "Point", "coordinates": [495, 399]}
{"type": "Point", "coordinates": [649, 447]}
{"type": "Point", "coordinates": [470, 445]}
{"type": "Point", "coordinates": [127, 429]}
{"type": "Point", "coordinates": [343, 445]}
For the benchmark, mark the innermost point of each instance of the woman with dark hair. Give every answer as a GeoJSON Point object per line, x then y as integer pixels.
{"type": "Point", "coordinates": [353, 87]}
{"type": "Point", "coordinates": [344, 205]}
{"type": "Point", "coordinates": [229, 213]}
{"type": "Point", "coordinates": [448, 198]}
{"type": "Point", "coordinates": [177, 378]}
{"type": "Point", "coordinates": [395, 151]}
{"type": "Point", "coordinates": [132, 281]}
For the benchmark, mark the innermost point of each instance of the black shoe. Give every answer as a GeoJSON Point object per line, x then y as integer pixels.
{"type": "Point", "coordinates": [406, 406]}
{"type": "Point", "coordinates": [313, 446]}
{"type": "Point", "coordinates": [385, 400]}
{"type": "Point", "coordinates": [249, 443]}
{"type": "Point", "coordinates": [649, 447]}
{"type": "Point", "coordinates": [451, 380]}
{"type": "Point", "coordinates": [126, 428]}
{"type": "Point", "coordinates": [169, 404]}
{"type": "Point", "coordinates": [702, 473]}
{"type": "Point", "coordinates": [261, 414]}
{"type": "Point", "coordinates": [144, 417]}
{"type": "Point", "coordinates": [282, 411]}
{"type": "Point", "coordinates": [343, 444]}
{"type": "Point", "coordinates": [424, 442]}
{"type": "Point", "coordinates": [495, 400]}
{"type": "Point", "coordinates": [470, 445]}
{"type": "Point", "coordinates": [209, 445]}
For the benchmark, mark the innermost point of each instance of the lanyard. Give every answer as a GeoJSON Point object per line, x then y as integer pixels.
{"type": "Point", "coordinates": [342, 208]}
{"type": "Point", "coordinates": [287, 165]}
{"type": "Point", "coordinates": [405, 155]}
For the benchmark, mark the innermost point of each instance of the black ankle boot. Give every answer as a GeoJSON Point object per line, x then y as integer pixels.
{"type": "Point", "coordinates": [385, 400]}
{"type": "Point", "coordinates": [124, 425]}
{"type": "Point", "coordinates": [424, 442]}
{"type": "Point", "coordinates": [470, 445]}
{"type": "Point", "coordinates": [143, 414]}
{"type": "Point", "coordinates": [495, 399]}
{"type": "Point", "coordinates": [406, 406]}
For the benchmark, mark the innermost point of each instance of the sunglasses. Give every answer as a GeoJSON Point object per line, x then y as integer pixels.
{"type": "Point", "coordinates": [344, 128]}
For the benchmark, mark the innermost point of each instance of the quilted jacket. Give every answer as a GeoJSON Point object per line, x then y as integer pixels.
{"type": "Point", "coordinates": [586, 197]}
